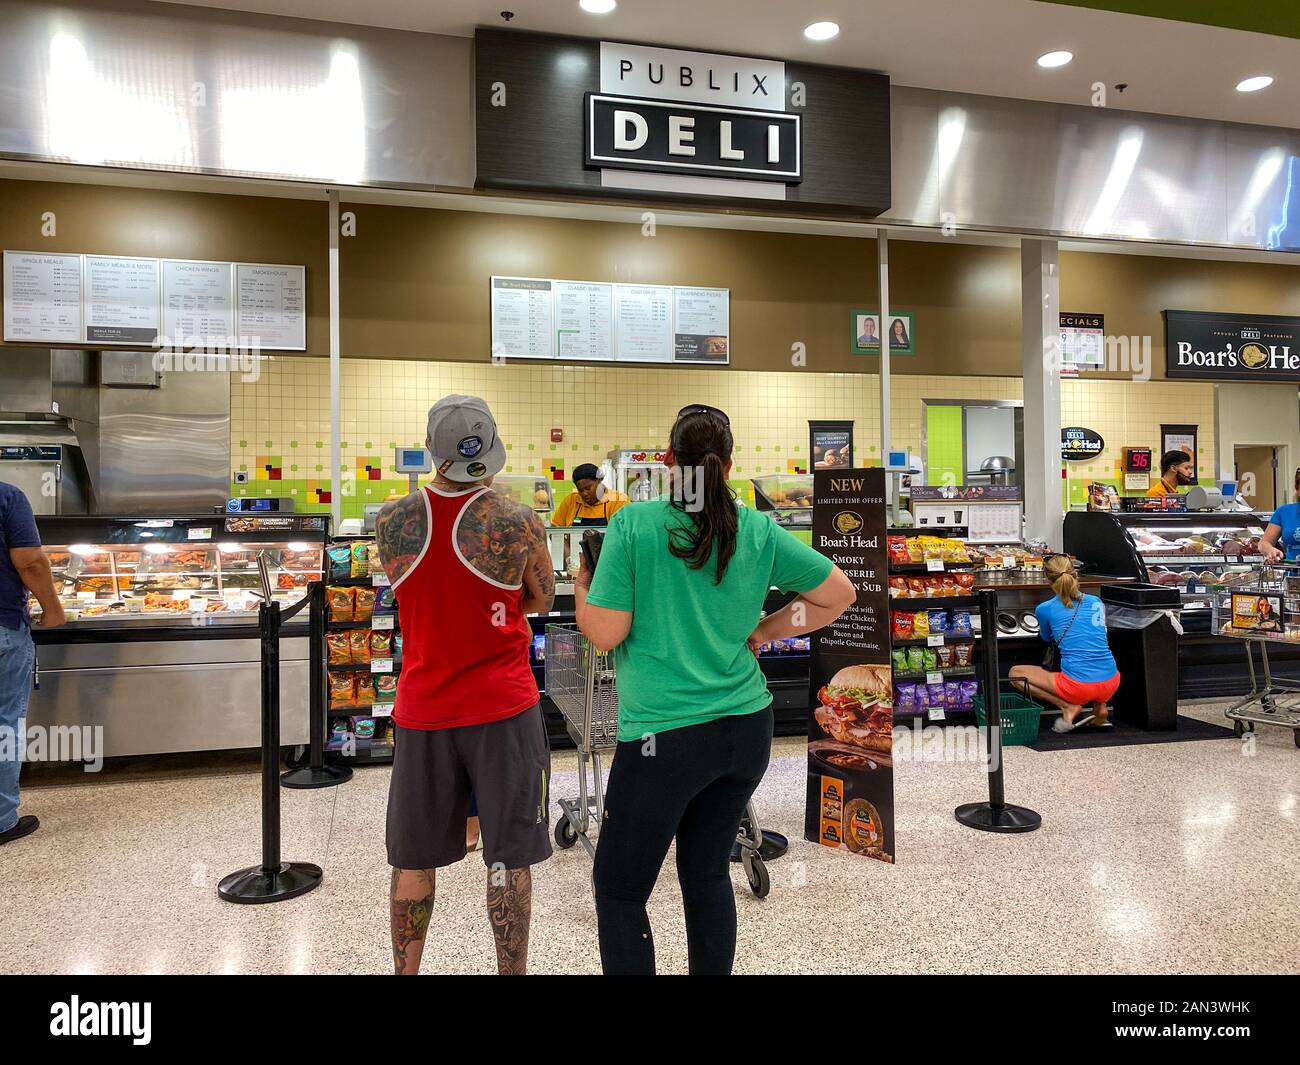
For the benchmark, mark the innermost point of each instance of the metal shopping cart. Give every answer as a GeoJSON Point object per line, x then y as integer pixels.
{"type": "Point", "coordinates": [580, 681]}
{"type": "Point", "coordinates": [1239, 612]}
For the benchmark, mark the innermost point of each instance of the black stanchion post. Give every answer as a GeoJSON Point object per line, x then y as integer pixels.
{"type": "Point", "coordinates": [316, 774]}
{"type": "Point", "coordinates": [994, 815]}
{"type": "Point", "coordinates": [273, 880]}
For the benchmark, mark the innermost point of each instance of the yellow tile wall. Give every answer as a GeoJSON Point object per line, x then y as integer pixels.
{"type": "Point", "coordinates": [285, 412]}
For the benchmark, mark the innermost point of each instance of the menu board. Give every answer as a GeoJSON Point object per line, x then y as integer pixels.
{"type": "Point", "coordinates": [523, 316]}
{"type": "Point", "coordinates": [584, 320]}
{"type": "Point", "coordinates": [643, 317]}
{"type": "Point", "coordinates": [546, 318]}
{"type": "Point", "coordinates": [701, 324]}
{"type": "Point", "coordinates": [850, 796]}
{"type": "Point", "coordinates": [198, 306]}
{"type": "Point", "coordinates": [121, 302]}
{"type": "Point", "coordinates": [42, 297]}
{"type": "Point", "coordinates": [271, 306]}
{"type": "Point", "coordinates": [1082, 342]}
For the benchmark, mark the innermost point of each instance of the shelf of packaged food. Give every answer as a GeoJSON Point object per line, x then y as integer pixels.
{"type": "Point", "coordinates": [352, 582]}
{"type": "Point", "coordinates": [363, 753]}
{"type": "Point", "coordinates": [346, 626]}
{"type": "Point", "coordinates": [363, 710]}
{"type": "Point", "coordinates": [933, 601]}
{"type": "Point", "coordinates": [947, 671]}
{"type": "Point", "coordinates": [345, 667]}
{"type": "Point", "coordinates": [903, 568]}
{"type": "Point", "coordinates": [948, 711]}
{"type": "Point", "coordinates": [924, 641]}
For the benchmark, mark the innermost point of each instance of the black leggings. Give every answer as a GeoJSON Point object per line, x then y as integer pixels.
{"type": "Point", "coordinates": [693, 783]}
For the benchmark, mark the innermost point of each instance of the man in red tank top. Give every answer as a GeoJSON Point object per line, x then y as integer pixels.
{"type": "Point", "coordinates": [467, 566]}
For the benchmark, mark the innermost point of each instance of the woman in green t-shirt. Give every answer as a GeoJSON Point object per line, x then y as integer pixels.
{"type": "Point", "coordinates": [678, 596]}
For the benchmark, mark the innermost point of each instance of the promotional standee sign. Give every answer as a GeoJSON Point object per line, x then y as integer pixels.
{"type": "Point", "coordinates": [830, 444]}
{"type": "Point", "coordinates": [1209, 346]}
{"type": "Point", "coordinates": [850, 801]}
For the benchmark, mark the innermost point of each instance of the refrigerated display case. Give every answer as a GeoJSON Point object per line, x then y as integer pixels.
{"type": "Point", "coordinates": [788, 496]}
{"type": "Point", "coordinates": [526, 490]}
{"type": "Point", "coordinates": [161, 646]}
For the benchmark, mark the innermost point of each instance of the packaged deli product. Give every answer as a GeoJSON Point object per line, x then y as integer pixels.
{"type": "Point", "coordinates": [961, 654]}
{"type": "Point", "coordinates": [340, 562]}
{"type": "Point", "coordinates": [898, 587]}
{"type": "Point", "coordinates": [920, 624]}
{"type": "Point", "coordinates": [365, 692]}
{"type": "Point", "coordinates": [381, 645]}
{"type": "Point", "coordinates": [342, 603]}
{"type": "Point", "coordinates": [901, 625]}
{"type": "Point", "coordinates": [898, 658]}
{"type": "Point", "coordinates": [365, 604]}
{"type": "Point", "coordinates": [359, 641]}
{"type": "Point", "coordinates": [342, 689]}
{"type": "Point", "coordinates": [339, 647]}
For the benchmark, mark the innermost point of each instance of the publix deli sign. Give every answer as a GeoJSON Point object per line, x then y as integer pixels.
{"type": "Point", "coordinates": [1209, 346]}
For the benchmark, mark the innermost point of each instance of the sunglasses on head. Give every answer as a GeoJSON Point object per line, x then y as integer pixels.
{"type": "Point", "coordinates": [703, 408]}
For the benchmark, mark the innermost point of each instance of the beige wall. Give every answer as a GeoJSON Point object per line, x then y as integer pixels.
{"type": "Point", "coordinates": [1259, 414]}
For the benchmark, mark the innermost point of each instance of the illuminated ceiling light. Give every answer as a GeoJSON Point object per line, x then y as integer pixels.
{"type": "Point", "coordinates": [597, 7]}
{"type": "Point", "coordinates": [1259, 81]}
{"type": "Point", "coordinates": [1049, 60]}
{"type": "Point", "coordinates": [822, 31]}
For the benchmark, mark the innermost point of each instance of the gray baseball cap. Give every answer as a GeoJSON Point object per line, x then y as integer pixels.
{"type": "Point", "coordinates": [463, 439]}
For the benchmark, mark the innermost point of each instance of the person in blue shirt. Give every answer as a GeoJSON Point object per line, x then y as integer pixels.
{"type": "Point", "coordinates": [23, 568]}
{"type": "Point", "coordinates": [1076, 623]}
{"type": "Point", "coordinates": [1281, 540]}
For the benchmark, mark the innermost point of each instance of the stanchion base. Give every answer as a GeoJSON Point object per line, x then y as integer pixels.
{"type": "Point", "coordinates": [255, 884]}
{"type": "Point", "coordinates": [988, 818]}
{"type": "Point", "coordinates": [324, 777]}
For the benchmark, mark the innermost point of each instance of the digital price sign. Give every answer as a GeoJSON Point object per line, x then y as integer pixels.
{"type": "Point", "coordinates": [1137, 459]}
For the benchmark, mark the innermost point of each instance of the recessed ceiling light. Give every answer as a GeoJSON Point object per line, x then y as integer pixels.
{"type": "Point", "coordinates": [822, 31]}
{"type": "Point", "coordinates": [1054, 59]}
{"type": "Point", "coordinates": [1259, 81]}
{"type": "Point", "coordinates": [597, 7]}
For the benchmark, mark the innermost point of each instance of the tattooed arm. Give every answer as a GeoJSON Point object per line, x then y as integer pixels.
{"type": "Point", "coordinates": [400, 532]}
{"type": "Point", "coordinates": [539, 574]}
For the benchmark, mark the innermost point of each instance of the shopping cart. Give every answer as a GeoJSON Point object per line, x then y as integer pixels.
{"type": "Point", "coordinates": [1271, 700]}
{"type": "Point", "coordinates": [580, 681]}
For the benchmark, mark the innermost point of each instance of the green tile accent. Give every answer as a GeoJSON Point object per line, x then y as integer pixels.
{"type": "Point", "coordinates": [293, 443]}
{"type": "Point", "coordinates": [944, 445]}
{"type": "Point", "coordinates": [270, 444]}
{"type": "Point", "coordinates": [243, 443]}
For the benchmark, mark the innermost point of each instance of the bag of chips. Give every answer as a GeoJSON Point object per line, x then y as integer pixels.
{"type": "Point", "coordinates": [898, 658]}
{"type": "Point", "coordinates": [360, 559]}
{"type": "Point", "coordinates": [916, 587]}
{"type": "Point", "coordinates": [897, 548]}
{"type": "Point", "coordinates": [915, 659]}
{"type": "Point", "coordinates": [381, 644]}
{"type": "Point", "coordinates": [340, 562]}
{"type": "Point", "coordinates": [373, 565]}
{"type": "Point", "coordinates": [359, 642]}
{"type": "Point", "coordinates": [342, 691]}
{"type": "Point", "coordinates": [920, 625]}
{"type": "Point", "coordinates": [898, 587]}
{"type": "Point", "coordinates": [969, 689]}
{"type": "Point", "coordinates": [905, 699]}
{"type": "Point", "coordinates": [385, 687]}
{"type": "Point", "coordinates": [341, 602]}
{"type": "Point", "coordinates": [952, 694]}
{"type": "Point", "coordinates": [929, 658]}
{"type": "Point", "coordinates": [944, 656]}
{"type": "Point", "coordinates": [365, 604]}
{"type": "Point", "coordinates": [938, 621]}
{"type": "Point", "coordinates": [965, 581]}
{"type": "Point", "coordinates": [962, 654]}
{"type": "Point", "coordinates": [901, 625]}
{"type": "Point", "coordinates": [365, 695]}
{"type": "Point", "coordinates": [339, 647]}
{"type": "Point", "coordinates": [935, 695]}
{"type": "Point", "coordinates": [384, 598]}
{"type": "Point", "coordinates": [959, 625]}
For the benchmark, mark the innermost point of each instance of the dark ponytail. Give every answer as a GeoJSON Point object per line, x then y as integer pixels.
{"type": "Point", "coordinates": [702, 444]}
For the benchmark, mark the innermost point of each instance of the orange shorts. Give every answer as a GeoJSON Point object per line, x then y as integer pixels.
{"type": "Point", "coordinates": [1081, 692]}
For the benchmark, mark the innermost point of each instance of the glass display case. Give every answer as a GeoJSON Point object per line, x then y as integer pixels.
{"type": "Point", "coordinates": [789, 496]}
{"type": "Point", "coordinates": [151, 571]}
{"type": "Point", "coordinates": [527, 490]}
{"type": "Point", "coordinates": [161, 650]}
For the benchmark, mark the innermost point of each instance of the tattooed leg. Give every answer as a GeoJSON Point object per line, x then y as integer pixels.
{"type": "Point", "coordinates": [510, 910]}
{"type": "Point", "coordinates": [410, 904]}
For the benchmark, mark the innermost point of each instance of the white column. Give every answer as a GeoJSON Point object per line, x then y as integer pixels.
{"type": "Point", "coordinates": [886, 430]}
{"type": "Point", "coordinates": [1040, 330]}
{"type": "Point", "coordinates": [336, 417]}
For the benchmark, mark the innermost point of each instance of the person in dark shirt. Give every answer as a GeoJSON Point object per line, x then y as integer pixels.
{"type": "Point", "coordinates": [23, 569]}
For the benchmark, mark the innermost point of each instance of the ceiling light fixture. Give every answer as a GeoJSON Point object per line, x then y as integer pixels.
{"type": "Point", "coordinates": [1259, 81]}
{"type": "Point", "coordinates": [822, 31]}
{"type": "Point", "coordinates": [597, 7]}
{"type": "Point", "coordinates": [1049, 60]}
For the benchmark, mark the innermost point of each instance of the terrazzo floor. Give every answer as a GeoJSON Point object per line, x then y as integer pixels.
{"type": "Point", "coordinates": [1177, 857]}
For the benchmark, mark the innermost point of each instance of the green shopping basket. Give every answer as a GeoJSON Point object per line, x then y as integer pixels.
{"type": "Point", "coordinates": [1019, 716]}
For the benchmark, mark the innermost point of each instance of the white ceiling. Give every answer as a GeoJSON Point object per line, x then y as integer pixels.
{"type": "Point", "coordinates": [979, 46]}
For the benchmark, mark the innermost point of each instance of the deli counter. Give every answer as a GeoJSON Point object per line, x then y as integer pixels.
{"type": "Point", "coordinates": [161, 646]}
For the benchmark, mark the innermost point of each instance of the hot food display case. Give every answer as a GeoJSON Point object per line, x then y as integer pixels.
{"type": "Point", "coordinates": [788, 496]}
{"type": "Point", "coordinates": [161, 645]}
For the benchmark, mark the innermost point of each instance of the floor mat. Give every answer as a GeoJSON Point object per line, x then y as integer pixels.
{"type": "Point", "coordinates": [1121, 734]}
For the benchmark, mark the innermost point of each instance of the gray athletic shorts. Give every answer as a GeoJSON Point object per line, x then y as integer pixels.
{"type": "Point", "coordinates": [505, 764]}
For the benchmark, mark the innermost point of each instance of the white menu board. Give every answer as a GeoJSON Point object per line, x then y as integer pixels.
{"type": "Point", "coordinates": [42, 297]}
{"type": "Point", "coordinates": [523, 316]}
{"type": "Point", "coordinates": [643, 323]}
{"type": "Point", "coordinates": [120, 300]}
{"type": "Point", "coordinates": [198, 307]}
{"type": "Point", "coordinates": [271, 306]}
{"type": "Point", "coordinates": [584, 320]}
{"type": "Point", "coordinates": [701, 324]}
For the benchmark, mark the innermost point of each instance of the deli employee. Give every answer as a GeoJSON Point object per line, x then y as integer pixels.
{"type": "Point", "coordinates": [1176, 471]}
{"type": "Point", "coordinates": [592, 503]}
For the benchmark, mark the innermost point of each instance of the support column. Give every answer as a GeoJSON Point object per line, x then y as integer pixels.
{"type": "Point", "coordinates": [336, 417]}
{"type": "Point", "coordinates": [886, 429]}
{"type": "Point", "coordinates": [1040, 330]}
